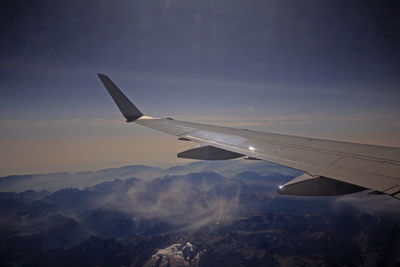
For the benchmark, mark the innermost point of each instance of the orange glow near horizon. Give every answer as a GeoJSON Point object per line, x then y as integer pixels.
{"type": "Point", "coordinates": [42, 155]}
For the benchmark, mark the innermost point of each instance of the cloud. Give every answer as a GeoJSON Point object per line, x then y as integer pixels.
{"type": "Point", "coordinates": [295, 119]}
{"type": "Point", "coordinates": [23, 124]}
{"type": "Point", "coordinates": [207, 84]}
{"type": "Point", "coordinates": [177, 201]}
{"type": "Point", "coordinates": [371, 204]}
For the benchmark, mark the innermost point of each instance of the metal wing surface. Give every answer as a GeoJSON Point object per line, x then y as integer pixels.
{"type": "Point", "coordinates": [331, 167]}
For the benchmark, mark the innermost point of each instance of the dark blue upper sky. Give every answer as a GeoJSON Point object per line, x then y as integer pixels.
{"type": "Point", "coordinates": [217, 60]}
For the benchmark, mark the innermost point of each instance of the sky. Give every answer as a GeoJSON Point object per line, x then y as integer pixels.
{"type": "Point", "coordinates": [327, 69]}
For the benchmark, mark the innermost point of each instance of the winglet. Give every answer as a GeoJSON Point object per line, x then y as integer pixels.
{"type": "Point", "coordinates": [127, 108]}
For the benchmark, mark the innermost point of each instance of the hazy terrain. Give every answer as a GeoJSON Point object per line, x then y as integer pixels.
{"type": "Point", "coordinates": [55, 181]}
{"type": "Point", "coordinates": [194, 217]}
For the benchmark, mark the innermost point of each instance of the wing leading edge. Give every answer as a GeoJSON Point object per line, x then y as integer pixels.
{"type": "Point", "coordinates": [348, 167]}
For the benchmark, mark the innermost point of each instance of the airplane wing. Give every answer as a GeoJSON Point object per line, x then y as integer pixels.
{"type": "Point", "coordinates": [330, 167]}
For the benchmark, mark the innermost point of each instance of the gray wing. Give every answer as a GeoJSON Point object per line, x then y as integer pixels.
{"type": "Point", "coordinates": [331, 167]}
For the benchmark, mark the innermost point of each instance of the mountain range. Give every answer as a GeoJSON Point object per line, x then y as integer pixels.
{"type": "Point", "coordinates": [59, 180]}
{"type": "Point", "coordinates": [199, 214]}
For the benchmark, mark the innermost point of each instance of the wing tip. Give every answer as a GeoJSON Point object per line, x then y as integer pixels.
{"type": "Point", "coordinates": [127, 108]}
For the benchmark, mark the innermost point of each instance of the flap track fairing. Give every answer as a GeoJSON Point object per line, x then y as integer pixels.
{"type": "Point", "coordinates": [208, 153]}
{"type": "Point", "coordinates": [309, 185]}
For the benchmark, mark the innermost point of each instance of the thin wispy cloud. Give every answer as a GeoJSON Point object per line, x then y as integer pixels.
{"type": "Point", "coordinates": [179, 202]}
{"type": "Point", "coordinates": [362, 202]}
